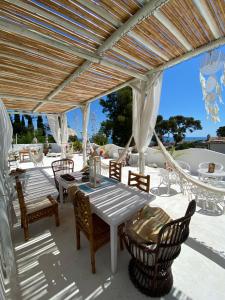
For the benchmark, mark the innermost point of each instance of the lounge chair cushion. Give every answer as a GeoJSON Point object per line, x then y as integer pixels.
{"type": "Point", "coordinates": [145, 228]}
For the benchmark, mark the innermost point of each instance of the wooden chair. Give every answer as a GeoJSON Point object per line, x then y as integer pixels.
{"type": "Point", "coordinates": [36, 210]}
{"type": "Point", "coordinates": [115, 170]}
{"type": "Point", "coordinates": [150, 266]}
{"type": "Point", "coordinates": [62, 166]}
{"type": "Point", "coordinates": [94, 228]}
{"type": "Point", "coordinates": [140, 181]}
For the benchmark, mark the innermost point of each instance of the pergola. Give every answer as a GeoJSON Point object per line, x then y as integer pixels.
{"type": "Point", "coordinates": [57, 55]}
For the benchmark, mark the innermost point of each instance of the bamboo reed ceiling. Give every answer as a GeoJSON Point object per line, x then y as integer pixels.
{"type": "Point", "coordinates": [45, 47]}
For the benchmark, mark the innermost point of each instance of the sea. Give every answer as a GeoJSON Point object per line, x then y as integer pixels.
{"type": "Point", "coordinates": [170, 139]}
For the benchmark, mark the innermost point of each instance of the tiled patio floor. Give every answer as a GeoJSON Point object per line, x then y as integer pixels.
{"type": "Point", "coordinates": [50, 267]}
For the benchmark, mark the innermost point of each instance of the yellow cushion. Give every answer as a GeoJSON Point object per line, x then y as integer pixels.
{"type": "Point", "coordinates": [146, 227]}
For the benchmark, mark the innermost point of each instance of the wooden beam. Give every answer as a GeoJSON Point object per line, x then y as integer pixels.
{"type": "Point", "coordinates": [100, 11]}
{"type": "Point", "coordinates": [173, 29]}
{"type": "Point", "coordinates": [132, 58]}
{"type": "Point", "coordinates": [207, 15]}
{"type": "Point", "coordinates": [8, 26]}
{"type": "Point", "coordinates": [24, 112]}
{"type": "Point", "coordinates": [18, 98]}
{"type": "Point", "coordinates": [150, 7]}
{"type": "Point", "coordinates": [148, 44]}
{"type": "Point", "coordinates": [56, 19]}
{"type": "Point", "coordinates": [66, 82]}
{"type": "Point", "coordinates": [195, 52]}
{"type": "Point", "coordinates": [94, 58]}
{"type": "Point", "coordinates": [144, 12]}
{"type": "Point", "coordinates": [37, 53]}
{"type": "Point", "coordinates": [31, 63]}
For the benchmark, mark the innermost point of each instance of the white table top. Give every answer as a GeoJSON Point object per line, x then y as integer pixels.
{"type": "Point", "coordinates": [205, 172]}
{"type": "Point", "coordinates": [38, 184]}
{"type": "Point", "coordinates": [113, 201]}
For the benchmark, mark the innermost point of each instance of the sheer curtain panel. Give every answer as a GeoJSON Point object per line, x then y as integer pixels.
{"type": "Point", "coordinates": [146, 99]}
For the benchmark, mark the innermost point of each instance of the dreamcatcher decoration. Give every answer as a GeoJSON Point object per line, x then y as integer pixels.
{"type": "Point", "coordinates": [213, 64]}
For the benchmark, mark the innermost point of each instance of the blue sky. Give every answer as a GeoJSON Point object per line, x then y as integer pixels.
{"type": "Point", "coordinates": [181, 95]}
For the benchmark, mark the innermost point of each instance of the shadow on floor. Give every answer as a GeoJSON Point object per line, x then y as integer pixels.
{"type": "Point", "coordinates": [217, 257]}
{"type": "Point", "coordinates": [163, 191]}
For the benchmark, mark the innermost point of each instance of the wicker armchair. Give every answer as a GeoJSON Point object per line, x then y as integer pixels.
{"type": "Point", "coordinates": [62, 166]}
{"type": "Point", "coordinates": [115, 170]}
{"type": "Point", "coordinates": [150, 266]}
{"type": "Point", "coordinates": [36, 210]}
{"type": "Point", "coordinates": [94, 228]}
{"type": "Point", "coordinates": [140, 181]}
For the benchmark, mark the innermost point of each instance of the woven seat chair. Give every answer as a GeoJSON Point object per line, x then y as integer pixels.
{"type": "Point", "coordinates": [62, 166]}
{"type": "Point", "coordinates": [150, 266]}
{"type": "Point", "coordinates": [115, 170]}
{"type": "Point", "coordinates": [36, 210]}
{"type": "Point", "coordinates": [94, 228]}
{"type": "Point", "coordinates": [142, 182]}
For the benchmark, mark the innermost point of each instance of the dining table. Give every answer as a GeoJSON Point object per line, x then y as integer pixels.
{"type": "Point", "coordinates": [112, 201]}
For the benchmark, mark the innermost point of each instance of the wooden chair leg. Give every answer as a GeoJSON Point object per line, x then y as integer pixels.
{"type": "Point", "coordinates": [92, 259]}
{"type": "Point", "coordinates": [57, 223]}
{"type": "Point", "coordinates": [26, 231]}
{"type": "Point", "coordinates": [78, 237]}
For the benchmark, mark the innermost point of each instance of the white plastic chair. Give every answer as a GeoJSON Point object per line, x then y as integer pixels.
{"type": "Point", "coordinates": [37, 159]}
{"type": "Point", "coordinates": [168, 178]}
{"type": "Point", "coordinates": [184, 165]}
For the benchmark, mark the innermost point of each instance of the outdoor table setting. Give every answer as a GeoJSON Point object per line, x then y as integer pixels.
{"type": "Point", "coordinates": [112, 201]}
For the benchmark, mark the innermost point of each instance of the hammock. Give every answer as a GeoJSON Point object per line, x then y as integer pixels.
{"type": "Point", "coordinates": [105, 167]}
{"type": "Point", "coordinates": [190, 184]}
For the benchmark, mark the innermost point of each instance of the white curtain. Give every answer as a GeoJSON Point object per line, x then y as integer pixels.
{"type": "Point", "coordinates": [146, 99]}
{"type": "Point", "coordinates": [7, 260]}
{"type": "Point", "coordinates": [59, 130]}
{"type": "Point", "coordinates": [86, 113]}
{"type": "Point", "coordinates": [53, 122]}
{"type": "Point", "coordinates": [64, 133]}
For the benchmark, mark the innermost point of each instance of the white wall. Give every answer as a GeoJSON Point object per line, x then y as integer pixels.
{"type": "Point", "coordinates": [17, 147]}
{"type": "Point", "coordinates": [193, 156]}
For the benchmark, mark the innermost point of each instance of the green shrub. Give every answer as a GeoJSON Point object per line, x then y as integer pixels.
{"type": "Point", "coordinates": [77, 146]}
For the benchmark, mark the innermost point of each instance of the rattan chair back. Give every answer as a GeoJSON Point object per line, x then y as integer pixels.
{"type": "Point", "coordinates": [150, 266]}
{"type": "Point", "coordinates": [62, 166]}
{"type": "Point", "coordinates": [142, 182]}
{"type": "Point", "coordinates": [115, 170]}
{"type": "Point", "coordinates": [82, 211]}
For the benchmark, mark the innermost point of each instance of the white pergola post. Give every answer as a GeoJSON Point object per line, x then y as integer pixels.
{"type": "Point", "coordinates": [86, 113]}
{"type": "Point", "coordinates": [63, 133]}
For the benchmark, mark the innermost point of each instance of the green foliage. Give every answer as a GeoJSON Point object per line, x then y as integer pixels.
{"type": "Point", "coordinates": [118, 109]}
{"type": "Point", "coordinates": [77, 146]}
{"type": "Point", "coordinates": [100, 138]}
{"type": "Point", "coordinates": [178, 126]}
{"type": "Point", "coordinates": [17, 127]}
{"type": "Point", "coordinates": [221, 131]}
{"type": "Point", "coordinates": [40, 126]}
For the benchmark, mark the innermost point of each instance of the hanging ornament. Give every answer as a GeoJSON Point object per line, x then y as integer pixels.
{"type": "Point", "coordinates": [211, 81]}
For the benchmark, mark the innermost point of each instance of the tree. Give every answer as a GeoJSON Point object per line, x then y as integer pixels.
{"type": "Point", "coordinates": [23, 125]}
{"type": "Point", "coordinates": [100, 138]}
{"type": "Point", "coordinates": [30, 126]}
{"type": "Point", "coordinates": [161, 127]}
{"type": "Point", "coordinates": [17, 128]}
{"type": "Point", "coordinates": [40, 126]}
{"type": "Point", "coordinates": [118, 108]}
{"type": "Point", "coordinates": [221, 131]}
{"type": "Point", "coordinates": [179, 125]}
